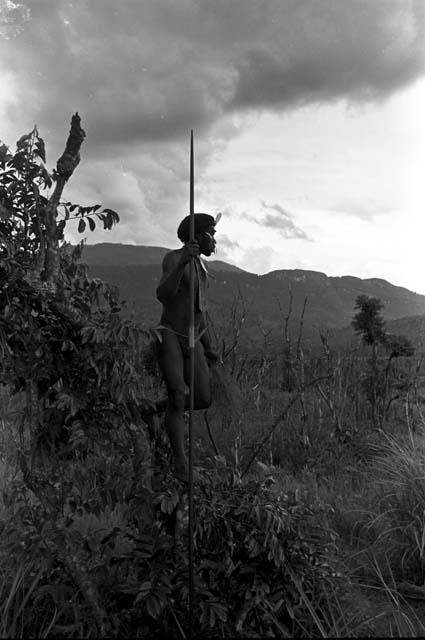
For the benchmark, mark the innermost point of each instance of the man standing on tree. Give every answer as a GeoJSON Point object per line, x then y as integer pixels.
{"type": "Point", "coordinates": [173, 350]}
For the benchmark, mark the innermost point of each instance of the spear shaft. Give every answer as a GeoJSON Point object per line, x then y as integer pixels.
{"type": "Point", "coordinates": [191, 384]}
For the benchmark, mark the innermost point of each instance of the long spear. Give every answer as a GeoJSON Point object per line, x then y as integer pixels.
{"type": "Point", "coordinates": [191, 384]}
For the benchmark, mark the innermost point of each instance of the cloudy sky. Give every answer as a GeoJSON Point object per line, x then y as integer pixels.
{"type": "Point", "coordinates": [309, 121]}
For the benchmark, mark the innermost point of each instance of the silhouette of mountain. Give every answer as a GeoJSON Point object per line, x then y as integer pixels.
{"type": "Point", "coordinates": [330, 300]}
{"type": "Point", "coordinates": [111, 254]}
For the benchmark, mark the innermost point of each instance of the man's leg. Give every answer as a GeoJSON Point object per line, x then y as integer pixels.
{"type": "Point", "coordinates": [202, 391]}
{"type": "Point", "coordinates": [171, 362]}
{"type": "Point", "coordinates": [202, 383]}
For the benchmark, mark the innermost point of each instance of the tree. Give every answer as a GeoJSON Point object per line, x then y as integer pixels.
{"type": "Point", "coordinates": [382, 377]}
{"type": "Point", "coordinates": [368, 321]}
{"type": "Point", "coordinates": [62, 338]}
{"type": "Point", "coordinates": [66, 346]}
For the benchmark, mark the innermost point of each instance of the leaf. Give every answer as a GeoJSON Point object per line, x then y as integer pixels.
{"type": "Point", "coordinates": [153, 607]}
{"type": "Point", "coordinates": [220, 611]}
{"type": "Point", "coordinates": [22, 141]}
{"type": "Point", "coordinates": [92, 224]}
{"type": "Point", "coordinates": [112, 218]}
{"type": "Point", "coordinates": [81, 225]}
{"type": "Point", "coordinates": [145, 588]}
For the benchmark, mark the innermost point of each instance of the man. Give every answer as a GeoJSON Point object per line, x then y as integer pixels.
{"type": "Point", "coordinates": [173, 349]}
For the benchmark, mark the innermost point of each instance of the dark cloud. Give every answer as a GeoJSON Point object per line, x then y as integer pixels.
{"type": "Point", "coordinates": [283, 222]}
{"type": "Point", "coordinates": [142, 71]}
{"type": "Point", "coordinates": [355, 50]}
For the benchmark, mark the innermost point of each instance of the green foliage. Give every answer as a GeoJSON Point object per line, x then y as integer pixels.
{"type": "Point", "coordinates": [67, 347]}
{"type": "Point", "coordinates": [398, 346]}
{"type": "Point", "coordinates": [263, 560]}
{"type": "Point", "coordinates": [17, 589]}
{"type": "Point", "coordinates": [24, 200]}
{"type": "Point", "coordinates": [368, 321]}
{"type": "Point", "coordinates": [84, 215]}
{"type": "Point", "coordinates": [382, 382]}
{"type": "Point", "coordinates": [67, 342]}
{"type": "Point", "coordinates": [251, 540]}
{"type": "Point", "coordinates": [23, 179]}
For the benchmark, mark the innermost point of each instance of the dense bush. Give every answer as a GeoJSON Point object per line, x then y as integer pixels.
{"type": "Point", "coordinates": [105, 562]}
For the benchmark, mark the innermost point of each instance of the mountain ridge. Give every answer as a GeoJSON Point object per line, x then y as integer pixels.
{"type": "Point", "coordinates": [122, 254]}
{"type": "Point", "coordinates": [267, 298]}
{"type": "Point", "coordinates": [110, 253]}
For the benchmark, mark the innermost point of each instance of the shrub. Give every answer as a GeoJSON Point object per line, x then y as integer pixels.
{"type": "Point", "coordinates": [264, 561]}
{"type": "Point", "coordinates": [263, 558]}
{"type": "Point", "coordinates": [398, 507]}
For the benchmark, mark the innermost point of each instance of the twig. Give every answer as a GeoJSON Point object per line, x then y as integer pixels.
{"type": "Point", "coordinates": [210, 434]}
{"type": "Point", "coordinates": [179, 627]}
{"type": "Point", "coordinates": [301, 324]}
{"type": "Point", "coordinates": [280, 419]}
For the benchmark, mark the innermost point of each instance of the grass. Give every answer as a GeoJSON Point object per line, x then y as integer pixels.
{"type": "Point", "coordinates": [378, 514]}
{"type": "Point", "coordinates": [18, 586]}
{"type": "Point", "coordinates": [373, 482]}
{"type": "Point", "coordinates": [382, 527]}
{"type": "Point", "coordinates": [396, 517]}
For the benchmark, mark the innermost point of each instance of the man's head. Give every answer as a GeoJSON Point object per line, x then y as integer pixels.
{"type": "Point", "coordinates": [204, 232]}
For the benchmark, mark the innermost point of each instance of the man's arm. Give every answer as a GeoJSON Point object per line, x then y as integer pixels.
{"type": "Point", "coordinates": [173, 267]}
{"type": "Point", "coordinates": [172, 272]}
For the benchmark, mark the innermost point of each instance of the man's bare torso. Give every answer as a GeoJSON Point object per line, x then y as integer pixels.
{"type": "Point", "coordinates": [176, 310]}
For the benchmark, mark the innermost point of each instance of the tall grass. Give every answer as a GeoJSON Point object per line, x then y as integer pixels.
{"type": "Point", "coordinates": [397, 509]}
{"type": "Point", "coordinates": [18, 587]}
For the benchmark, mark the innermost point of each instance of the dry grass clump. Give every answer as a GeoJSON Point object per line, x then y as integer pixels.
{"type": "Point", "coordinates": [397, 509]}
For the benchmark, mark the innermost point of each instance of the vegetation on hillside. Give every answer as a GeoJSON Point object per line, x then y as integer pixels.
{"type": "Point", "coordinates": [296, 533]}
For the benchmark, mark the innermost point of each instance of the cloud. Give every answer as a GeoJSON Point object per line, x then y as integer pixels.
{"type": "Point", "coordinates": [283, 222]}
{"type": "Point", "coordinates": [225, 243]}
{"type": "Point", "coordinates": [143, 71]}
{"type": "Point", "coordinates": [261, 257]}
{"type": "Point", "coordinates": [365, 210]}
{"type": "Point", "coordinates": [227, 249]}
{"type": "Point", "coordinates": [142, 74]}
{"type": "Point", "coordinates": [13, 17]}
{"type": "Point", "coordinates": [326, 51]}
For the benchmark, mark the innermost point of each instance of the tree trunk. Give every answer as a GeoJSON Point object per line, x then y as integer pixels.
{"type": "Point", "coordinates": [65, 167]}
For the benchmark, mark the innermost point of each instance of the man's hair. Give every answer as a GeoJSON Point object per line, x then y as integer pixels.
{"type": "Point", "coordinates": [203, 221]}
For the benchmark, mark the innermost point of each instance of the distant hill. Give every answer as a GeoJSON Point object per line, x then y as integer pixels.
{"type": "Point", "coordinates": [413, 327]}
{"type": "Point", "coordinates": [111, 254]}
{"type": "Point", "coordinates": [330, 300]}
